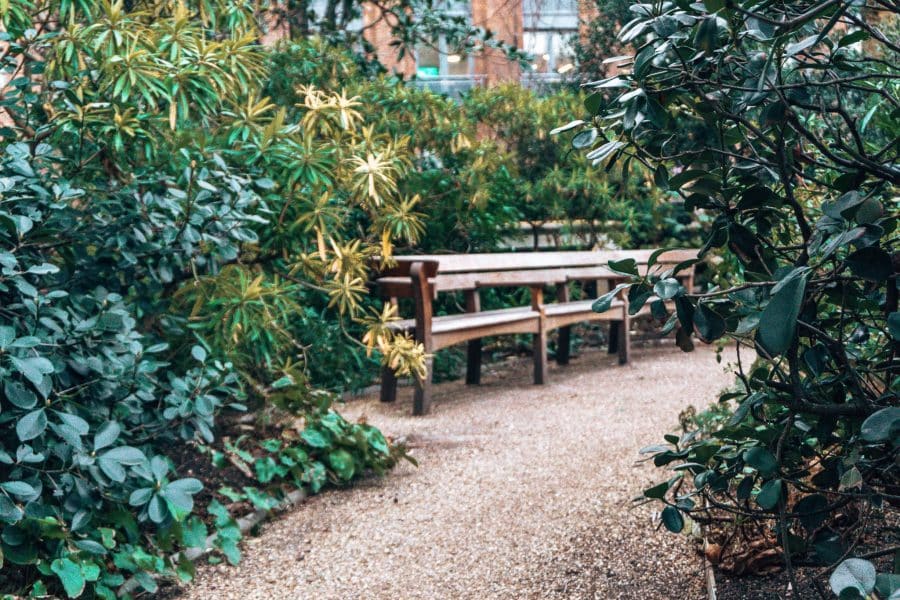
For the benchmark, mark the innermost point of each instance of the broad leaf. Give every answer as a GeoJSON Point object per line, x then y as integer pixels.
{"type": "Point", "coordinates": [762, 460]}
{"type": "Point", "coordinates": [778, 321]}
{"type": "Point", "coordinates": [31, 425]}
{"type": "Point", "coordinates": [882, 426]}
{"type": "Point", "coordinates": [769, 494]}
{"type": "Point", "coordinates": [604, 302]}
{"type": "Point", "coordinates": [672, 519]}
{"type": "Point", "coordinates": [70, 576]}
{"type": "Point", "coordinates": [853, 573]}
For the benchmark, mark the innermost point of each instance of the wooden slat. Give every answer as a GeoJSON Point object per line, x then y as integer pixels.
{"type": "Point", "coordinates": [400, 287]}
{"type": "Point", "coordinates": [561, 315]}
{"type": "Point", "coordinates": [506, 261]}
{"type": "Point", "coordinates": [473, 320]}
{"type": "Point", "coordinates": [487, 328]}
{"type": "Point", "coordinates": [487, 270]}
{"type": "Point", "coordinates": [553, 310]}
{"type": "Point", "coordinates": [449, 322]}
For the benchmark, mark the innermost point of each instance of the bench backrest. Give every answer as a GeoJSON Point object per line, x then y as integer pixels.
{"type": "Point", "coordinates": [462, 272]}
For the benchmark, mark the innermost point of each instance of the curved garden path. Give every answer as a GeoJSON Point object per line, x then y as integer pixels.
{"type": "Point", "coordinates": [521, 492]}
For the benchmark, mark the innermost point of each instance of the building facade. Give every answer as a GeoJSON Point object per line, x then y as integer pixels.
{"type": "Point", "coordinates": [545, 29]}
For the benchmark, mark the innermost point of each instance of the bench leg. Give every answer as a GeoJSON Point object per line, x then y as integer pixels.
{"type": "Point", "coordinates": [624, 341]}
{"type": "Point", "coordinates": [388, 385]}
{"type": "Point", "coordinates": [473, 362]}
{"type": "Point", "coordinates": [563, 345]}
{"type": "Point", "coordinates": [540, 357]}
{"type": "Point", "coordinates": [613, 345]}
{"type": "Point", "coordinates": [422, 396]}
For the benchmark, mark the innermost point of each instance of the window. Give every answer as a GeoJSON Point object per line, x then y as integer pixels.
{"type": "Point", "coordinates": [428, 61]}
{"type": "Point", "coordinates": [439, 59]}
{"type": "Point", "coordinates": [550, 28]}
{"type": "Point", "coordinates": [317, 9]}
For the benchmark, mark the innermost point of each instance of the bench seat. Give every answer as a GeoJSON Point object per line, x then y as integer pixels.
{"type": "Point", "coordinates": [448, 330]}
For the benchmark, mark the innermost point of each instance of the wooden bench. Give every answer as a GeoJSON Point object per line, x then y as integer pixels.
{"type": "Point", "coordinates": [423, 277]}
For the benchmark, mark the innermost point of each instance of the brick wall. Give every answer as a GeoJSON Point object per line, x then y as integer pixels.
{"type": "Point", "coordinates": [378, 33]}
{"type": "Point", "coordinates": [504, 19]}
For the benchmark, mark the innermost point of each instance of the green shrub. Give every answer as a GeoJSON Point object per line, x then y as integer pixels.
{"type": "Point", "coordinates": [166, 236]}
{"type": "Point", "coordinates": [779, 121]}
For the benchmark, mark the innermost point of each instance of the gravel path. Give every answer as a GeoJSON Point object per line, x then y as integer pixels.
{"type": "Point", "coordinates": [521, 492]}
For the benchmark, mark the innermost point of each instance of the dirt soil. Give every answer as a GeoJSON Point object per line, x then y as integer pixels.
{"type": "Point", "coordinates": [521, 491]}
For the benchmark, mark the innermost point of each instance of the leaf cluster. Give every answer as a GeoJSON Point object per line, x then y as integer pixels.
{"type": "Point", "coordinates": [779, 121]}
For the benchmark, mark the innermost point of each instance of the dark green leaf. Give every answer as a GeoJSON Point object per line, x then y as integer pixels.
{"type": "Point", "coordinates": [627, 266]}
{"type": "Point", "coordinates": [707, 35]}
{"type": "Point", "coordinates": [887, 585]}
{"type": "Point", "coordinates": [31, 425]}
{"type": "Point", "coordinates": [882, 426]}
{"type": "Point", "coordinates": [604, 302]}
{"type": "Point", "coordinates": [893, 322]}
{"type": "Point", "coordinates": [637, 297]}
{"type": "Point", "coordinates": [744, 488]}
{"type": "Point", "coordinates": [762, 460]}
{"type": "Point", "coordinates": [657, 491]}
{"type": "Point", "coordinates": [769, 494]}
{"type": "Point", "coordinates": [708, 325]}
{"type": "Point", "coordinates": [872, 264]}
{"type": "Point", "coordinates": [672, 519]}
{"type": "Point", "coordinates": [812, 511]}
{"type": "Point", "coordinates": [658, 310]}
{"type": "Point", "coordinates": [778, 321]}
{"type": "Point", "coordinates": [91, 546]}
{"type": "Point", "coordinates": [683, 339]}
{"type": "Point", "coordinates": [852, 38]}
{"type": "Point", "coordinates": [667, 288]}
{"type": "Point", "coordinates": [661, 178]}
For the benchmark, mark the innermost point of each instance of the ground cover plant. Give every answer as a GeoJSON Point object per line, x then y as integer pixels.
{"type": "Point", "coordinates": [780, 120]}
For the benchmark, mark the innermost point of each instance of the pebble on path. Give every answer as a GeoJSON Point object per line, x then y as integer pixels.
{"type": "Point", "coordinates": [521, 492]}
